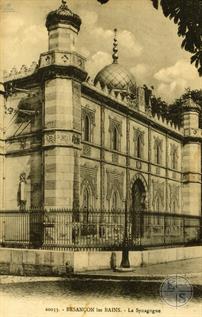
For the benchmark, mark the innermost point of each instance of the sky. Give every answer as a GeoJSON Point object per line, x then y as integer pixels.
{"type": "Point", "coordinates": [148, 43]}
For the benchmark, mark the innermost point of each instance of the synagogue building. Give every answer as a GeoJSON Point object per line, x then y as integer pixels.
{"type": "Point", "coordinates": [71, 141]}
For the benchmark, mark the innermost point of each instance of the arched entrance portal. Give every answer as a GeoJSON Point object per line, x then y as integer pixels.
{"type": "Point", "coordinates": [138, 207]}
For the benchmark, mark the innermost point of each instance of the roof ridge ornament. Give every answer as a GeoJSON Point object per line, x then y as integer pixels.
{"type": "Point", "coordinates": [189, 104]}
{"type": "Point", "coordinates": [115, 55]}
{"type": "Point", "coordinates": [64, 9]}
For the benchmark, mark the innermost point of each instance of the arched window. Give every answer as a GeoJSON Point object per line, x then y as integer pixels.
{"type": "Point", "coordinates": [174, 159]}
{"type": "Point", "coordinates": [115, 139]}
{"type": "Point", "coordinates": [139, 146]}
{"type": "Point", "coordinates": [87, 128]}
{"type": "Point", "coordinates": [114, 208]}
{"type": "Point", "coordinates": [158, 153]}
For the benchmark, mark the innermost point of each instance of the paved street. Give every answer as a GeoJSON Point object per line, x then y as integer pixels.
{"type": "Point", "coordinates": [139, 289]}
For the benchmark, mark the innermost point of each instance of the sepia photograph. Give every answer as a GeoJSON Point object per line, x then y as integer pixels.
{"type": "Point", "coordinates": [100, 158]}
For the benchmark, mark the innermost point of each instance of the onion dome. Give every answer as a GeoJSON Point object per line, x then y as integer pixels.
{"type": "Point", "coordinates": [115, 76]}
{"type": "Point", "coordinates": [63, 15]}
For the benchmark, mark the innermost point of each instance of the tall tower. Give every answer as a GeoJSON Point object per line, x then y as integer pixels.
{"type": "Point", "coordinates": [191, 158]}
{"type": "Point", "coordinates": [63, 71]}
{"type": "Point", "coordinates": [63, 26]}
{"type": "Point", "coordinates": [2, 92]}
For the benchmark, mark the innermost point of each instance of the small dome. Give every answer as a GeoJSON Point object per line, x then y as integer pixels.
{"type": "Point", "coordinates": [63, 15]}
{"type": "Point", "coordinates": [115, 76]}
{"type": "Point", "coordinates": [190, 105]}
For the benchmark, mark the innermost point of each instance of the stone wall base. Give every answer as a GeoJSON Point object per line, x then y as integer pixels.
{"type": "Point", "coordinates": [62, 263]}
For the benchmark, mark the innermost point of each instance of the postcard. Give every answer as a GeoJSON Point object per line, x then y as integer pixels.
{"type": "Point", "coordinates": [100, 158]}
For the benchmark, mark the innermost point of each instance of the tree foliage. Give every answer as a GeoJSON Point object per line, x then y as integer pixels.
{"type": "Point", "coordinates": [159, 107]}
{"type": "Point", "coordinates": [175, 109]}
{"type": "Point", "coordinates": [187, 14]}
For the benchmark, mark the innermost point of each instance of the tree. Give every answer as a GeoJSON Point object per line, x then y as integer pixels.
{"type": "Point", "coordinates": [187, 14]}
{"type": "Point", "coordinates": [175, 109]}
{"type": "Point", "coordinates": [159, 106]}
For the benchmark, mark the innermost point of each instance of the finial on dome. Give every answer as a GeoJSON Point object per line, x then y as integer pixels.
{"type": "Point", "coordinates": [189, 104]}
{"type": "Point", "coordinates": [115, 48]}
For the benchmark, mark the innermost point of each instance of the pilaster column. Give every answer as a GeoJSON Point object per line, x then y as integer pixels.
{"type": "Point", "coordinates": [62, 138]}
{"type": "Point", "coordinates": [191, 158]}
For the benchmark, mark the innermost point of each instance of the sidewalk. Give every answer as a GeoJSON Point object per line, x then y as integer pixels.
{"type": "Point", "coordinates": [192, 269]}
{"type": "Point", "coordinates": [12, 279]}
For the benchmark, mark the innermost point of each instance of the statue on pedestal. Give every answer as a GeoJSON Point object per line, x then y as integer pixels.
{"type": "Point", "coordinates": [22, 199]}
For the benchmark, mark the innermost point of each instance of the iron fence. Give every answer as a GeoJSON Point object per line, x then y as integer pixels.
{"type": "Point", "coordinates": [99, 230]}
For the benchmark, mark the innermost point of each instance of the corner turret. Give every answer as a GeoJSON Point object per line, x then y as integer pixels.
{"type": "Point", "coordinates": [63, 26]}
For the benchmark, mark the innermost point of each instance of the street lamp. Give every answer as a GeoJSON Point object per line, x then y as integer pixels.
{"type": "Point", "coordinates": [125, 248]}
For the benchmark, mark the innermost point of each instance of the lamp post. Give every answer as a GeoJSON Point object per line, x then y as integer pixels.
{"type": "Point", "coordinates": [125, 249]}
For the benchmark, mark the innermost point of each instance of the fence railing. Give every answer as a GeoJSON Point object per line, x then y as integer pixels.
{"type": "Point", "coordinates": [102, 230]}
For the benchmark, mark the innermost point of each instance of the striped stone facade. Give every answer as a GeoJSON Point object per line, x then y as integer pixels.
{"type": "Point", "coordinates": [62, 38]}
{"type": "Point", "coordinates": [57, 138]}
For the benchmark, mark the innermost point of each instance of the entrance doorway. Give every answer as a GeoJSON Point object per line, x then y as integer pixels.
{"type": "Point", "coordinates": [138, 207]}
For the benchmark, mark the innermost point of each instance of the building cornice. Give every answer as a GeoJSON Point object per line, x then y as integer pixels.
{"type": "Point", "coordinates": [122, 107]}
{"type": "Point", "coordinates": [47, 73]}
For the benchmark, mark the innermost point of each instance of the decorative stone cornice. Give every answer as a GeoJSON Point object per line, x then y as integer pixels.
{"type": "Point", "coordinates": [70, 72]}
{"type": "Point", "coordinates": [190, 177]}
{"type": "Point", "coordinates": [192, 135]}
{"type": "Point", "coordinates": [62, 58]}
{"type": "Point", "coordinates": [47, 73]}
{"type": "Point", "coordinates": [61, 138]}
{"type": "Point", "coordinates": [51, 64]}
{"type": "Point", "coordinates": [24, 71]}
